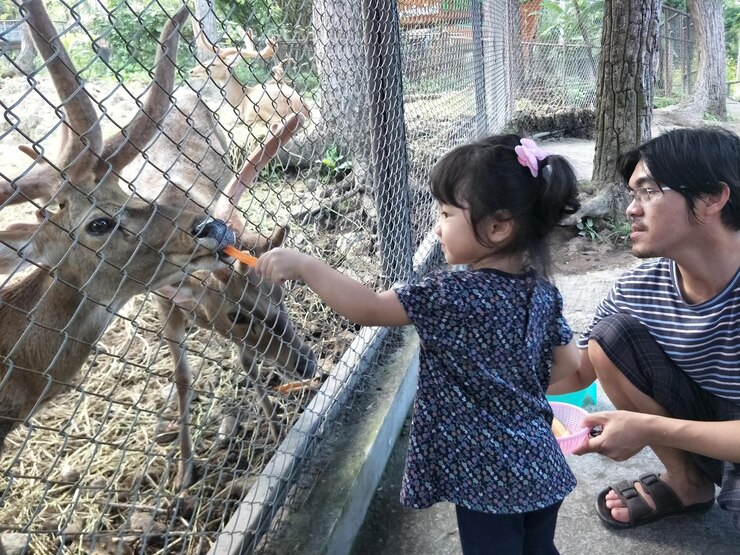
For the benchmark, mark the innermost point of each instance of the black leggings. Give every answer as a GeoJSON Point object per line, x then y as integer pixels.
{"type": "Point", "coordinates": [513, 534]}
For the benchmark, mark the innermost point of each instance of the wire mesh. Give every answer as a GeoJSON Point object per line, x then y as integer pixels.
{"type": "Point", "coordinates": [558, 65]}
{"type": "Point", "coordinates": [132, 343]}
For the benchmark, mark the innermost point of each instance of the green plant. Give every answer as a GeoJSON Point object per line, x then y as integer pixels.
{"type": "Point", "coordinates": [663, 101]}
{"type": "Point", "coordinates": [334, 164]}
{"type": "Point", "coordinates": [617, 232]}
{"type": "Point", "coordinates": [586, 229]}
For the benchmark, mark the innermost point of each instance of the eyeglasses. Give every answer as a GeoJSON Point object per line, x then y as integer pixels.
{"type": "Point", "coordinates": [645, 194]}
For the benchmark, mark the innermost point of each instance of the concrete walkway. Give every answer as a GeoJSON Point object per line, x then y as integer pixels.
{"type": "Point", "coordinates": [392, 529]}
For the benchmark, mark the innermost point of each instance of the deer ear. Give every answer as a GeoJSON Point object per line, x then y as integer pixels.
{"type": "Point", "coordinates": [17, 247]}
{"type": "Point", "coordinates": [30, 152]}
{"type": "Point", "coordinates": [278, 236]}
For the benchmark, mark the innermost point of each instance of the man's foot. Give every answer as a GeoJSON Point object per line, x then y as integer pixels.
{"type": "Point", "coordinates": [631, 504]}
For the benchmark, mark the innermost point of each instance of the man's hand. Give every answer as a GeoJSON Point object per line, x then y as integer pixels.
{"type": "Point", "coordinates": [622, 434]}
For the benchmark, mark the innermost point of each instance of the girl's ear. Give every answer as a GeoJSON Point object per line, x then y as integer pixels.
{"type": "Point", "coordinates": [500, 229]}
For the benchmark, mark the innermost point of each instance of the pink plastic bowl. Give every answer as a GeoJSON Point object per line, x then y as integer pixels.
{"type": "Point", "coordinates": [571, 416]}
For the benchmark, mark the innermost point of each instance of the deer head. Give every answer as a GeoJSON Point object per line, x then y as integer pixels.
{"type": "Point", "coordinates": [219, 68]}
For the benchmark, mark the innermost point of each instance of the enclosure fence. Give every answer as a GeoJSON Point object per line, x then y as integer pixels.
{"type": "Point", "coordinates": [559, 65]}
{"type": "Point", "coordinates": [156, 395]}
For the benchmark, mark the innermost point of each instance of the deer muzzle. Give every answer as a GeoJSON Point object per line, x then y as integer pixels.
{"type": "Point", "coordinates": [212, 228]}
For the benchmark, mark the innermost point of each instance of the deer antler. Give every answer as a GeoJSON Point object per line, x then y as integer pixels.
{"type": "Point", "coordinates": [81, 134]}
{"type": "Point", "coordinates": [229, 54]}
{"type": "Point", "coordinates": [83, 155]}
{"type": "Point", "coordinates": [121, 150]}
{"type": "Point", "coordinates": [279, 135]}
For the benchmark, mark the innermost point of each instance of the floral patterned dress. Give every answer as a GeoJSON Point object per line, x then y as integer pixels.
{"type": "Point", "coordinates": [480, 434]}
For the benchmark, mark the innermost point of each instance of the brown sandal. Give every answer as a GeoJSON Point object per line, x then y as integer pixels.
{"type": "Point", "coordinates": [667, 503]}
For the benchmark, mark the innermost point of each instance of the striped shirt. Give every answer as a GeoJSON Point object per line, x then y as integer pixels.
{"type": "Point", "coordinates": [702, 339]}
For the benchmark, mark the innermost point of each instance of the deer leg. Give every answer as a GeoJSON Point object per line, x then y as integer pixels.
{"type": "Point", "coordinates": [175, 335]}
{"type": "Point", "coordinates": [248, 363]}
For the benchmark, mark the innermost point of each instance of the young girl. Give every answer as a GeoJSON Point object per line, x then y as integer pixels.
{"type": "Point", "coordinates": [492, 339]}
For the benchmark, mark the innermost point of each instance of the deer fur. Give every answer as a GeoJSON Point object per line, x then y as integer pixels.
{"type": "Point", "coordinates": [234, 302]}
{"type": "Point", "coordinates": [185, 168]}
{"type": "Point", "coordinates": [94, 247]}
{"type": "Point", "coordinates": [269, 102]}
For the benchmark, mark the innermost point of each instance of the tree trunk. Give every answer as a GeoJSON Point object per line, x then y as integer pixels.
{"type": "Point", "coordinates": [207, 23]}
{"type": "Point", "coordinates": [25, 58]}
{"type": "Point", "coordinates": [340, 64]}
{"type": "Point", "coordinates": [624, 99]}
{"type": "Point", "coordinates": [710, 89]}
{"type": "Point", "coordinates": [343, 98]}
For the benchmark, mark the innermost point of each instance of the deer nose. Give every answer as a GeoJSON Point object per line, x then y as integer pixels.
{"type": "Point", "coordinates": [211, 228]}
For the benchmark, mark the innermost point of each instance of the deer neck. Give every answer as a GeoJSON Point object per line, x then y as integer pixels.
{"type": "Point", "coordinates": [234, 91]}
{"type": "Point", "coordinates": [48, 327]}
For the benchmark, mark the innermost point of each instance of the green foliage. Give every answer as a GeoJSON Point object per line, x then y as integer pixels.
{"type": "Point", "coordinates": [568, 20]}
{"type": "Point", "coordinates": [334, 165]}
{"type": "Point", "coordinates": [617, 232]}
{"type": "Point", "coordinates": [586, 229]}
{"type": "Point", "coordinates": [265, 17]}
{"type": "Point", "coordinates": [663, 101]}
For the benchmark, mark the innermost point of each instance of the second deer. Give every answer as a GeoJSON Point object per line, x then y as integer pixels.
{"type": "Point", "coordinates": [234, 302]}
{"type": "Point", "coordinates": [269, 102]}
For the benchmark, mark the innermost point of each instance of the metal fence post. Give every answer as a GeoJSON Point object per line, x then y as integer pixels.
{"type": "Point", "coordinates": [480, 70]}
{"type": "Point", "coordinates": [389, 163]}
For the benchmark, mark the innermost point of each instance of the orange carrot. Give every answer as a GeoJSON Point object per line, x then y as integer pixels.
{"type": "Point", "coordinates": [241, 256]}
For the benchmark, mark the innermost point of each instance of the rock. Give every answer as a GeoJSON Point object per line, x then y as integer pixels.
{"type": "Point", "coordinates": [14, 543]}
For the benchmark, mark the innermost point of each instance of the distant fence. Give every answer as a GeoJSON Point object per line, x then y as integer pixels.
{"type": "Point", "coordinates": [560, 75]}
{"type": "Point", "coordinates": [10, 33]}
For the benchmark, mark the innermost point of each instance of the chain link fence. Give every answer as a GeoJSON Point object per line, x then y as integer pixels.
{"type": "Point", "coordinates": [156, 397]}
{"type": "Point", "coordinates": [559, 56]}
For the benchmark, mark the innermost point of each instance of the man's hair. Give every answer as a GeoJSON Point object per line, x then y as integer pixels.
{"type": "Point", "coordinates": [693, 162]}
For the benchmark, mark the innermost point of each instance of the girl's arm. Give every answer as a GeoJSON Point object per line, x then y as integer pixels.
{"type": "Point", "coordinates": [579, 375]}
{"type": "Point", "coordinates": [565, 361]}
{"type": "Point", "coordinates": [344, 295]}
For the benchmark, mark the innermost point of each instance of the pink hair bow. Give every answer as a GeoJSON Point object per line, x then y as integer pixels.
{"type": "Point", "coordinates": [528, 154]}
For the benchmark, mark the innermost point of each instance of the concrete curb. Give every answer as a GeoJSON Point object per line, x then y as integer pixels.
{"type": "Point", "coordinates": [351, 462]}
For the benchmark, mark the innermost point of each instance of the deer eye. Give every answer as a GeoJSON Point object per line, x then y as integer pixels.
{"type": "Point", "coordinates": [100, 225]}
{"type": "Point", "coordinates": [238, 317]}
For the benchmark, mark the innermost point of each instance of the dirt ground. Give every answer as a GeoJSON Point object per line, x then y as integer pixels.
{"type": "Point", "coordinates": [572, 254]}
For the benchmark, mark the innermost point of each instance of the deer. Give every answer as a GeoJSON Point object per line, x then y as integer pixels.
{"type": "Point", "coordinates": [268, 102]}
{"type": "Point", "coordinates": [92, 245]}
{"type": "Point", "coordinates": [234, 301]}
{"type": "Point", "coordinates": [184, 168]}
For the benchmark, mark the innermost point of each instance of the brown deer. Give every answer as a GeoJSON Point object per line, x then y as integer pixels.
{"type": "Point", "coordinates": [269, 102]}
{"type": "Point", "coordinates": [185, 167]}
{"type": "Point", "coordinates": [234, 302]}
{"type": "Point", "coordinates": [94, 246]}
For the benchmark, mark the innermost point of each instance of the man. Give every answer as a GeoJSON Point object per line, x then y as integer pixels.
{"type": "Point", "coordinates": [665, 342]}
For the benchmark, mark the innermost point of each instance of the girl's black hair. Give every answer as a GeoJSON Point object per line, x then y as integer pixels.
{"type": "Point", "coordinates": [693, 162]}
{"type": "Point", "coordinates": [486, 178]}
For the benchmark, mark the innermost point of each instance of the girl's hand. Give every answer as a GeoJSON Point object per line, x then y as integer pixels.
{"type": "Point", "coordinates": [279, 265]}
